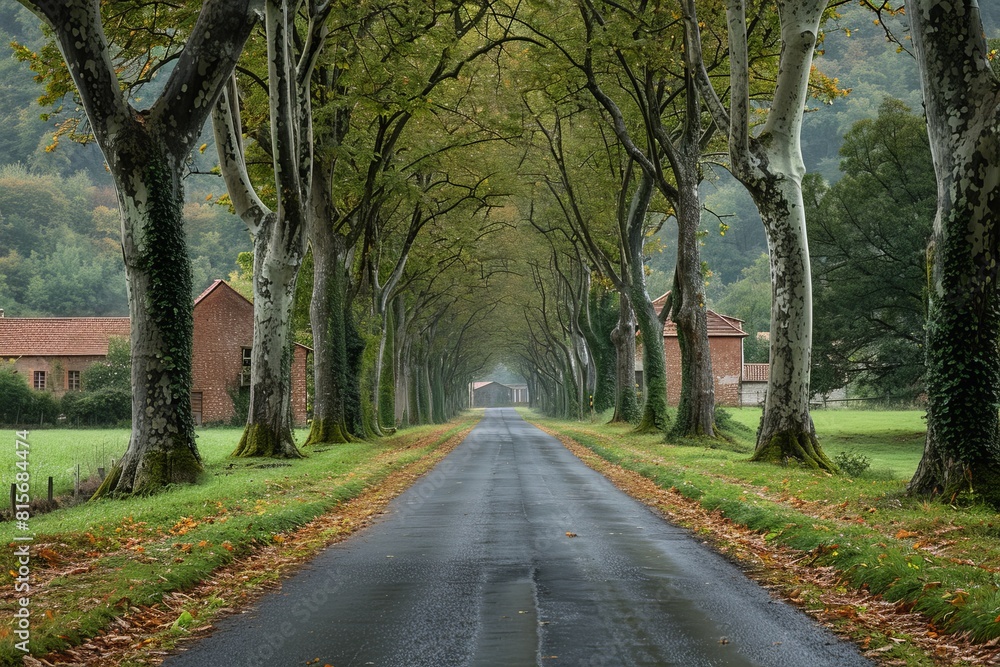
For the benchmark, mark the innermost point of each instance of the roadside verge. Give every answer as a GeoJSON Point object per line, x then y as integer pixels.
{"type": "Point", "coordinates": [122, 582]}
{"type": "Point", "coordinates": [857, 565]}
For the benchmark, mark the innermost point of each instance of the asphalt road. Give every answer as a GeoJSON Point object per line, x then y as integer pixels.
{"type": "Point", "coordinates": [472, 566]}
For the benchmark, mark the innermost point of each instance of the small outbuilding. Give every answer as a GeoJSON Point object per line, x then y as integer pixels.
{"type": "Point", "coordinates": [52, 352]}
{"type": "Point", "coordinates": [497, 395]}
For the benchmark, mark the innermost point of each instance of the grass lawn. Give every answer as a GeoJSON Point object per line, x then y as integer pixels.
{"type": "Point", "coordinates": [939, 559]}
{"type": "Point", "coordinates": [99, 560]}
{"type": "Point", "coordinates": [892, 439]}
{"type": "Point", "coordinates": [57, 452]}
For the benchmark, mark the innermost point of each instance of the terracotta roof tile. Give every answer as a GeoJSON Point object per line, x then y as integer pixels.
{"type": "Point", "coordinates": [718, 325]}
{"type": "Point", "coordinates": [59, 336]}
{"type": "Point", "coordinates": [755, 372]}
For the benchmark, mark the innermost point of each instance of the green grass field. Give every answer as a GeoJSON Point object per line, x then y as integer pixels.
{"type": "Point", "coordinates": [892, 439]}
{"type": "Point", "coordinates": [57, 452]}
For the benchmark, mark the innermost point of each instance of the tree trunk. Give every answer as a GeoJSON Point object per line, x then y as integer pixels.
{"type": "Point", "coordinates": [146, 154]}
{"type": "Point", "coordinates": [402, 376]}
{"type": "Point", "coordinates": [599, 339]}
{"type": "Point", "coordinates": [326, 315]}
{"type": "Point", "coordinates": [353, 407]}
{"type": "Point", "coordinates": [786, 429]}
{"type": "Point", "coordinates": [696, 408]}
{"type": "Point", "coordinates": [962, 101]}
{"type": "Point", "coordinates": [385, 374]}
{"type": "Point", "coordinates": [424, 394]}
{"type": "Point", "coordinates": [269, 422]}
{"type": "Point", "coordinates": [771, 167]}
{"type": "Point", "coordinates": [654, 364]}
{"type": "Point", "coordinates": [438, 407]}
{"type": "Point", "coordinates": [161, 449]}
{"type": "Point", "coordinates": [626, 404]}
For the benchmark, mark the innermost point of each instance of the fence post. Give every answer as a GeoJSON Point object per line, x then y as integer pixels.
{"type": "Point", "coordinates": [76, 481]}
{"type": "Point", "coordinates": [50, 488]}
{"type": "Point", "coordinates": [13, 499]}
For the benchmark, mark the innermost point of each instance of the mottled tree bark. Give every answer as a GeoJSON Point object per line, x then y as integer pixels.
{"type": "Point", "coordinates": [146, 153]}
{"type": "Point", "coordinates": [688, 311]}
{"type": "Point", "coordinates": [962, 101]}
{"type": "Point", "coordinates": [771, 168]}
{"type": "Point", "coordinates": [279, 237]}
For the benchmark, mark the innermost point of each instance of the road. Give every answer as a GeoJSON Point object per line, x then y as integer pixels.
{"type": "Point", "coordinates": [473, 566]}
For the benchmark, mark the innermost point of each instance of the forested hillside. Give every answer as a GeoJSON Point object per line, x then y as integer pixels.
{"type": "Point", "coordinates": [60, 237]}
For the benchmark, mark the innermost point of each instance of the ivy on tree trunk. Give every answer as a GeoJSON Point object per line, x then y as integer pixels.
{"type": "Point", "coordinates": [962, 100]}
{"type": "Point", "coordinates": [146, 153]}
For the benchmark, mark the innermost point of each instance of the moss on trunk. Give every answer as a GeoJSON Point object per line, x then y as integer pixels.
{"type": "Point", "coordinates": [263, 440]}
{"type": "Point", "coordinates": [800, 446]}
{"type": "Point", "coordinates": [327, 431]}
{"type": "Point", "coordinates": [156, 469]}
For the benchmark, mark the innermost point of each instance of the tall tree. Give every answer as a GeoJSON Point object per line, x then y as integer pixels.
{"type": "Point", "coordinates": [633, 68]}
{"type": "Point", "coordinates": [770, 166]}
{"type": "Point", "coordinates": [868, 236]}
{"type": "Point", "coordinates": [962, 101]}
{"type": "Point", "coordinates": [279, 236]}
{"type": "Point", "coordinates": [362, 157]}
{"type": "Point", "coordinates": [146, 153]}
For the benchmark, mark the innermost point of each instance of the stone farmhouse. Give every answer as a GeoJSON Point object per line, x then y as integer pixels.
{"type": "Point", "coordinates": [52, 352]}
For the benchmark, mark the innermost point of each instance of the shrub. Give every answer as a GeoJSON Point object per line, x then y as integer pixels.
{"type": "Point", "coordinates": [15, 395]}
{"type": "Point", "coordinates": [104, 407]}
{"type": "Point", "coordinates": [852, 463]}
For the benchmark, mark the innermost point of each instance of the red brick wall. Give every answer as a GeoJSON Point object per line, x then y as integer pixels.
{"type": "Point", "coordinates": [223, 326]}
{"type": "Point", "coordinates": [727, 364]}
{"type": "Point", "coordinates": [55, 377]}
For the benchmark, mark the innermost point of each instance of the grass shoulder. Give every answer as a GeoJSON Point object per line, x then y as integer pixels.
{"type": "Point", "coordinates": [111, 563]}
{"type": "Point", "coordinates": [938, 562]}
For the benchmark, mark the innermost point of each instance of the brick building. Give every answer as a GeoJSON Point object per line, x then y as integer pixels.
{"type": "Point", "coordinates": [51, 352]}
{"type": "Point", "coordinates": [725, 342]}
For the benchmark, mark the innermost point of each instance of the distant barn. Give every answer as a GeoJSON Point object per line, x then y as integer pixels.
{"type": "Point", "coordinates": [497, 395]}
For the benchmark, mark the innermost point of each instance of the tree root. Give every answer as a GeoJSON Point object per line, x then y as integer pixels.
{"type": "Point", "coordinates": [798, 446]}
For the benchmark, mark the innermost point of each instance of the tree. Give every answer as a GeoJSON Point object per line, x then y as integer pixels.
{"type": "Point", "coordinates": [146, 153]}
{"type": "Point", "coordinates": [868, 236]}
{"type": "Point", "coordinates": [369, 159]}
{"type": "Point", "coordinates": [279, 235]}
{"type": "Point", "coordinates": [630, 70]}
{"type": "Point", "coordinates": [962, 101]}
{"type": "Point", "coordinates": [770, 166]}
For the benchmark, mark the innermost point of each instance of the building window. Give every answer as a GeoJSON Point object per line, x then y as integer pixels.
{"type": "Point", "coordinates": [39, 380]}
{"type": "Point", "coordinates": [245, 370]}
{"type": "Point", "coordinates": [73, 380]}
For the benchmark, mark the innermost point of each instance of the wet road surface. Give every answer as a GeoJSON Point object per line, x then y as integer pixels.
{"type": "Point", "coordinates": [472, 566]}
